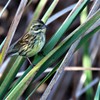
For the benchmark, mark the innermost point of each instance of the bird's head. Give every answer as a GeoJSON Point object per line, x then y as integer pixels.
{"type": "Point", "coordinates": [38, 27]}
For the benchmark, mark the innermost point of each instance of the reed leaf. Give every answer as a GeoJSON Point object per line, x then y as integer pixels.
{"type": "Point", "coordinates": [9, 78]}
{"type": "Point", "coordinates": [12, 30]}
{"type": "Point", "coordinates": [97, 95]}
{"type": "Point", "coordinates": [64, 27]}
{"type": "Point", "coordinates": [22, 85]}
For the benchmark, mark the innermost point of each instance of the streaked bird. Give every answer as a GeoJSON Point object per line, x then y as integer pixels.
{"type": "Point", "coordinates": [31, 43]}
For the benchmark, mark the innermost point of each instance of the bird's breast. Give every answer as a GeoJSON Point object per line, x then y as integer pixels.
{"type": "Point", "coordinates": [36, 45]}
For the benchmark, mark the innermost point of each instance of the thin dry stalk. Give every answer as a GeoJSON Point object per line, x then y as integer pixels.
{"type": "Point", "coordinates": [82, 91]}
{"type": "Point", "coordinates": [93, 9]}
{"type": "Point", "coordinates": [66, 60]}
{"type": "Point", "coordinates": [80, 69]}
{"type": "Point", "coordinates": [61, 67]}
{"type": "Point", "coordinates": [60, 13]}
{"type": "Point", "coordinates": [5, 7]}
{"type": "Point", "coordinates": [67, 68]}
{"type": "Point", "coordinates": [12, 29]}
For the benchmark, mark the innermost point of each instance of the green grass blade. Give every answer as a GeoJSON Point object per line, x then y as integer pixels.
{"type": "Point", "coordinates": [68, 41]}
{"type": "Point", "coordinates": [97, 95]}
{"type": "Point", "coordinates": [55, 38]}
{"type": "Point", "coordinates": [87, 37]}
{"type": "Point", "coordinates": [87, 59]}
{"type": "Point", "coordinates": [36, 15]}
{"type": "Point", "coordinates": [54, 4]}
{"type": "Point", "coordinates": [28, 69]}
{"type": "Point", "coordinates": [37, 12]}
{"type": "Point", "coordinates": [10, 77]}
{"type": "Point", "coordinates": [87, 64]}
{"type": "Point", "coordinates": [22, 85]}
{"type": "Point", "coordinates": [44, 80]}
{"type": "Point", "coordinates": [49, 11]}
{"type": "Point", "coordinates": [66, 24]}
{"type": "Point", "coordinates": [39, 9]}
{"type": "Point", "coordinates": [5, 72]}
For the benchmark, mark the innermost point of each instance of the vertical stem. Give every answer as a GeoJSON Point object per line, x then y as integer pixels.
{"type": "Point", "coordinates": [50, 10]}
{"type": "Point", "coordinates": [1, 13]}
{"type": "Point", "coordinates": [12, 30]}
{"type": "Point", "coordinates": [37, 12]}
{"type": "Point", "coordinates": [86, 59]}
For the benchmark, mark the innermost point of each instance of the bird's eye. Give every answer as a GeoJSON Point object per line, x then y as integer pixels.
{"type": "Point", "coordinates": [39, 26]}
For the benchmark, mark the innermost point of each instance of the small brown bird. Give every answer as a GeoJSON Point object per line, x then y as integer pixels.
{"type": "Point", "coordinates": [31, 43]}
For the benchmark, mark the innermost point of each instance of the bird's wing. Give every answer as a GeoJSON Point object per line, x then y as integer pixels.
{"type": "Point", "coordinates": [14, 48]}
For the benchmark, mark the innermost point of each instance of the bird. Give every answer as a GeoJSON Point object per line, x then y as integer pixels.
{"type": "Point", "coordinates": [32, 42]}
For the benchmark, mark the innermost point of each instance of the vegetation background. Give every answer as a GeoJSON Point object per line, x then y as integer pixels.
{"type": "Point", "coordinates": [73, 84]}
